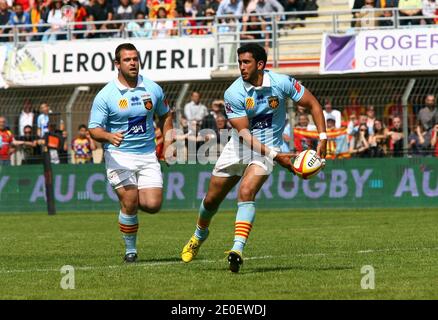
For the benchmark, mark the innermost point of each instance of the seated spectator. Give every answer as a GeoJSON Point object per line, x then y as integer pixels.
{"type": "Point", "coordinates": [100, 11]}
{"type": "Point", "coordinates": [195, 110]}
{"type": "Point", "coordinates": [57, 21]}
{"type": "Point", "coordinates": [304, 123]}
{"type": "Point", "coordinates": [359, 146]}
{"type": "Point", "coordinates": [141, 28]}
{"type": "Point", "coordinates": [36, 18]}
{"type": "Point", "coordinates": [124, 11]}
{"type": "Point", "coordinates": [379, 140]}
{"type": "Point", "coordinates": [26, 117]}
{"type": "Point", "coordinates": [417, 143]}
{"type": "Point", "coordinates": [294, 6]}
{"type": "Point", "coordinates": [207, 26]}
{"type": "Point", "coordinates": [429, 11]}
{"type": "Point", "coordinates": [354, 126]}
{"type": "Point", "coordinates": [265, 7]}
{"type": "Point", "coordinates": [83, 146]}
{"type": "Point", "coordinates": [366, 17]}
{"type": "Point", "coordinates": [410, 12]}
{"type": "Point", "coordinates": [329, 111]}
{"type": "Point", "coordinates": [396, 137]}
{"type": "Point", "coordinates": [434, 140]}
{"type": "Point", "coordinates": [387, 19]}
{"type": "Point", "coordinates": [140, 5]}
{"type": "Point", "coordinates": [19, 17]}
{"type": "Point", "coordinates": [155, 5]}
{"type": "Point", "coordinates": [80, 16]}
{"type": "Point", "coordinates": [248, 6]}
{"type": "Point", "coordinates": [162, 26]}
{"type": "Point", "coordinates": [27, 147]}
{"type": "Point", "coordinates": [230, 7]}
{"type": "Point", "coordinates": [255, 29]}
{"type": "Point", "coordinates": [6, 143]}
{"type": "Point", "coordinates": [5, 15]}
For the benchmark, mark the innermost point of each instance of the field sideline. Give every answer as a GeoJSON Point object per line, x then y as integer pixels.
{"type": "Point", "coordinates": [291, 255]}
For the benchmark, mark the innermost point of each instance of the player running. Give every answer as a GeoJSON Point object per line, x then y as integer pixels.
{"type": "Point", "coordinates": [255, 107]}
{"type": "Point", "coordinates": [122, 118]}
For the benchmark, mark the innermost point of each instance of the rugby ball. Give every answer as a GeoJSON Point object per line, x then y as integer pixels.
{"type": "Point", "coordinates": [307, 164]}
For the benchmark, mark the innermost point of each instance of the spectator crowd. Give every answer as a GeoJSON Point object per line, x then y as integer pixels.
{"type": "Point", "coordinates": [47, 19]}
{"type": "Point", "coordinates": [354, 130]}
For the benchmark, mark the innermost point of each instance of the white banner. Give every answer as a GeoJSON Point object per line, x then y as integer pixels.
{"type": "Point", "coordinates": [380, 51]}
{"type": "Point", "coordinates": [88, 62]}
{"type": "Point", "coordinates": [397, 50]}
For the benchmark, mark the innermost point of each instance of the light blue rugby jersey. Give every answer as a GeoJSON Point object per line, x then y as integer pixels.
{"type": "Point", "coordinates": [118, 108]}
{"type": "Point", "coordinates": [264, 106]}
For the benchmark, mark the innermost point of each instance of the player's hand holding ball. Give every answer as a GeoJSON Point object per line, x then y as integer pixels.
{"type": "Point", "coordinates": [284, 160]}
{"type": "Point", "coordinates": [308, 164]}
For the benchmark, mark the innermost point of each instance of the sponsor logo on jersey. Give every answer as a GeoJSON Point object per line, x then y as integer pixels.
{"type": "Point", "coordinates": [249, 103]}
{"type": "Point", "coordinates": [136, 125]}
{"type": "Point", "coordinates": [123, 103]}
{"type": "Point", "coordinates": [147, 101]}
{"type": "Point", "coordinates": [273, 102]}
{"type": "Point", "coordinates": [135, 101]}
{"type": "Point", "coordinates": [262, 121]}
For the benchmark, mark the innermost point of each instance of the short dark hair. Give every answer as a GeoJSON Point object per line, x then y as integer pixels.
{"type": "Point", "coordinates": [82, 126]}
{"type": "Point", "coordinates": [258, 52]}
{"type": "Point", "coordinates": [124, 46]}
{"type": "Point", "coordinates": [27, 127]}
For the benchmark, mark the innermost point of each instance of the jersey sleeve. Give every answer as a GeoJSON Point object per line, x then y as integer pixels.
{"type": "Point", "coordinates": [162, 105]}
{"type": "Point", "coordinates": [99, 113]}
{"type": "Point", "coordinates": [234, 107]}
{"type": "Point", "coordinates": [293, 88]}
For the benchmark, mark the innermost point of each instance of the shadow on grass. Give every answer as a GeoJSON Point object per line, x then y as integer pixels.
{"type": "Point", "coordinates": [157, 260]}
{"type": "Point", "coordinates": [289, 268]}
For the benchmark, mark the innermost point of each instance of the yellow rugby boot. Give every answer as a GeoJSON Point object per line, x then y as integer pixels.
{"type": "Point", "coordinates": [191, 249]}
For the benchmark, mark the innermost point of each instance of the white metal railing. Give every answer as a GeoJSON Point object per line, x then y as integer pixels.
{"type": "Point", "coordinates": [288, 38]}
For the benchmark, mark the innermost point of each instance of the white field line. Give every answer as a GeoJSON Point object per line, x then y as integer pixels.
{"type": "Point", "coordinates": [167, 263]}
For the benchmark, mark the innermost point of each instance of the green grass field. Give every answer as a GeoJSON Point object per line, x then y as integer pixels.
{"type": "Point", "coordinates": [290, 255]}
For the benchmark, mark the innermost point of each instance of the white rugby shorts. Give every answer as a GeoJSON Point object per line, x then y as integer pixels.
{"type": "Point", "coordinates": [141, 170]}
{"type": "Point", "coordinates": [236, 157]}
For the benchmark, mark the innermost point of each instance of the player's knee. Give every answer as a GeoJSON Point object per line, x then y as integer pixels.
{"type": "Point", "coordinates": [150, 207]}
{"type": "Point", "coordinates": [246, 194]}
{"type": "Point", "coordinates": [210, 203]}
{"type": "Point", "coordinates": [130, 208]}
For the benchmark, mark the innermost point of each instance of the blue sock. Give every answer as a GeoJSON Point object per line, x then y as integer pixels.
{"type": "Point", "coordinates": [203, 222]}
{"type": "Point", "coordinates": [128, 225]}
{"type": "Point", "coordinates": [244, 220]}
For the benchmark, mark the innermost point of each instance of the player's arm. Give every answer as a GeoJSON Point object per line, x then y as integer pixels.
{"type": "Point", "coordinates": [166, 127]}
{"type": "Point", "coordinates": [309, 101]}
{"type": "Point", "coordinates": [98, 118]}
{"type": "Point", "coordinates": [241, 124]}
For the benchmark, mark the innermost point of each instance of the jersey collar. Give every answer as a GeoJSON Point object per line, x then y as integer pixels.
{"type": "Point", "coordinates": [122, 87]}
{"type": "Point", "coordinates": [265, 84]}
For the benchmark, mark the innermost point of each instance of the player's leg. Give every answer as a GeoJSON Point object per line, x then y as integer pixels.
{"type": "Point", "coordinates": [150, 184]}
{"type": "Point", "coordinates": [150, 199]}
{"type": "Point", "coordinates": [252, 180]}
{"type": "Point", "coordinates": [217, 191]}
{"type": "Point", "coordinates": [128, 220]}
{"type": "Point", "coordinates": [121, 175]}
